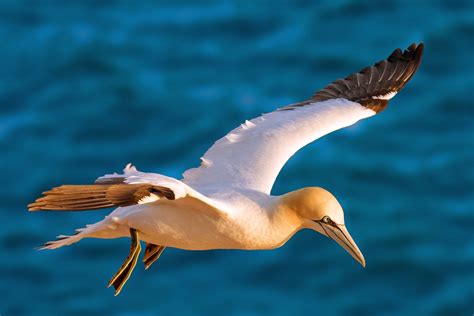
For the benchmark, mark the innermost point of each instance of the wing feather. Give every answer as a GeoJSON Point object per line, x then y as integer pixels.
{"type": "Point", "coordinates": [252, 155]}
{"type": "Point", "coordinates": [119, 190]}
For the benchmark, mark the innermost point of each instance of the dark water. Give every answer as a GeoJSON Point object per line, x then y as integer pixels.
{"type": "Point", "coordinates": [86, 88]}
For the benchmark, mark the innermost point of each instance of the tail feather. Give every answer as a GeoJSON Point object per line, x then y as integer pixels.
{"type": "Point", "coordinates": [106, 228]}
{"type": "Point", "coordinates": [63, 240]}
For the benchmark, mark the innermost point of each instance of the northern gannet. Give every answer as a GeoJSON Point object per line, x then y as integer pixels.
{"type": "Point", "coordinates": [226, 203]}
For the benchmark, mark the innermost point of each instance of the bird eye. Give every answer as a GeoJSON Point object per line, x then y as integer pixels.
{"type": "Point", "coordinates": [326, 220]}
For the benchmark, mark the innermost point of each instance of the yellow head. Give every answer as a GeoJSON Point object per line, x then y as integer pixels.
{"type": "Point", "coordinates": [320, 211]}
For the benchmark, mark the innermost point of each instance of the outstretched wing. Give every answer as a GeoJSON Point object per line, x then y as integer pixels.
{"type": "Point", "coordinates": [114, 190]}
{"type": "Point", "coordinates": [252, 155]}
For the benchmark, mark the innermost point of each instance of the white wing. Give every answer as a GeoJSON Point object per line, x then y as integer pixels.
{"type": "Point", "coordinates": [252, 155]}
{"type": "Point", "coordinates": [175, 189]}
{"type": "Point", "coordinates": [130, 188]}
{"type": "Point", "coordinates": [131, 175]}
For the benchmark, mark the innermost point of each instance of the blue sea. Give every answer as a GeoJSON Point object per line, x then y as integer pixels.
{"type": "Point", "coordinates": [88, 86]}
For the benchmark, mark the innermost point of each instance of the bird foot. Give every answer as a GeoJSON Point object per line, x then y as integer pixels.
{"type": "Point", "coordinates": [122, 275]}
{"type": "Point", "coordinates": [152, 253]}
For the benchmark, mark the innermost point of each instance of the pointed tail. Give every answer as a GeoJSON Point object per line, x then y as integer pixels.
{"type": "Point", "coordinates": [64, 240]}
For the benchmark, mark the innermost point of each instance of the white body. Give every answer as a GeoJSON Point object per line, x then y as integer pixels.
{"type": "Point", "coordinates": [188, 224]}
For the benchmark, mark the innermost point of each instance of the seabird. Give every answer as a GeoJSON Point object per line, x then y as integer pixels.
{"type": "Point", "coordinates": [226, 203]}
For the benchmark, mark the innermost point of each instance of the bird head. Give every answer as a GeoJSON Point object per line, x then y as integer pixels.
{"type": "Point", "coordinates": [320, 211]}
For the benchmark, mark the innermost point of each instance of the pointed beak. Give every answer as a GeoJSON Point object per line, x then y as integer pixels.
{"type": "Point", "coordinates": [340, 234]}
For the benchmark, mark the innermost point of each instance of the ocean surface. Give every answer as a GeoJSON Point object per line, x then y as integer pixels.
{"type": "Point", "coordinates": [88, 86]}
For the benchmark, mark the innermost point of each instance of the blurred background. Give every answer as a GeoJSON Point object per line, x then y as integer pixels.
{"type": "Point", "coordinates": [88, 86]}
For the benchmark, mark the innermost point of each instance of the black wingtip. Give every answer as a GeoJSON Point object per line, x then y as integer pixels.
{"type": "Point", "coordinates": [412, 53]}
{"type": "Point", "coordinates": [374, 86]}
{"type": "Point", "coordinates": [418, 53]}
{"type": "Point", "coordinates": [401, 65]}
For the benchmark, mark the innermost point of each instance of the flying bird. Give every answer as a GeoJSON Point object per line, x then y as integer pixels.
{"type": "Point", "coordinates": [225, 203]}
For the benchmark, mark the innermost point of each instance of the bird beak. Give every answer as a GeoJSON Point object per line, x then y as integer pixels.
{"type": "Point", "coordinates": [340, 234]}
